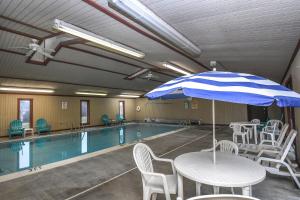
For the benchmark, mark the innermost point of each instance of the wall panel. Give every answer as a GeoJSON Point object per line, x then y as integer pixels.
{"type": "Point", "coordinates": [49, 107]}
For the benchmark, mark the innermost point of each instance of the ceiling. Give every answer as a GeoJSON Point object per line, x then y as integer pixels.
{"type": "Point", "coordinates": [255, 37]}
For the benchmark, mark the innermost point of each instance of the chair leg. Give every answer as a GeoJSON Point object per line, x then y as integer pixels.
{"type": "Point", "coordinates": [154, 196]}
{"type": "Point", "coordinates": [146, 194]}
{"type": "Point", "coordinates": [232, 190]}
{"type": "Point", "coordinates": [216, 190]}
{"type": "Point", "coordinates": [198, 189]}
{"type": "Point", "coordinates": [243, 139]}
{"type": "Point", "coordinates": [168, 197]}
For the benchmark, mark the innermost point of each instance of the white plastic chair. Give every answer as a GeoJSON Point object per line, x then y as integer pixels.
{"type": "Point", "coordinates": [270, 130]}
{"type": "Point", "coordinates": [153, 183]}
{"type": "Point", "coordinates": [221, 197]}
{"type": "Point", "coordinates": [267, 143]}
{"type": "Point", "coordinates": [222, 146]}
{"type": "Point", "coordinates": [240, 130]}
{"type": "Point", "coordinates": [256, 121]}
{"type": "Point", "coordinates": [279, 159]}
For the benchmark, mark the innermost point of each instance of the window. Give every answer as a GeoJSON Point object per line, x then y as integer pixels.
{"type": "Point", "coordinates": [84, 112]}
{"type": "Point", "coordinates": [25, 112]}
{"type": "Point", "coordinates": [122, 109]}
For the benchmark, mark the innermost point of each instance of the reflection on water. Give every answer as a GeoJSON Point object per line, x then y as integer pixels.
{"type": "Point", "coordinates": [20, 155]}
{"type": "Point", "coordinates": [84, 144]}
{"type": "Point", "coordinates": [122, 135]}
{"type": "Point", "coordinates": [24, 156]}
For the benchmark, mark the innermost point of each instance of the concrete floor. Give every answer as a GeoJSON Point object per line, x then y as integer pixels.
{"type": "Point", "coordinates": [68, 181]}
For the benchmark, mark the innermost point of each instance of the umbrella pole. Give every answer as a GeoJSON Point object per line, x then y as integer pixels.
{"type": "Point", "coordinates": [214, 130]}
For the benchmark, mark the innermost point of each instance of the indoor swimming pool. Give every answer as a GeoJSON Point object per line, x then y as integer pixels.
{"type": "Point", "coordinates": [33, 153]}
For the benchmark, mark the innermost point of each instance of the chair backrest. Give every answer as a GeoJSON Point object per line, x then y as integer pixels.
{"type": "Point", "coordinates": [222, 197]}
{"type": "Point", "coordinates": [227, 146]}
{"type": "Point", "coordinates": [257, 121]}
{"type": "Point", "coordinates": [41, 122]}
{"type": "Point", "coordinates": [282, 134]}
{"type": "Point", "coordinates": [287, 145]}
{"type": "Point", "coordinates": [142, 155]}
{"type": "Point", "coordinates": [104, 117]}
{"type": "Point", "coordinates": [235, 127]}
{"type": "Point", "coordinates": [275, 123]}
{"type": "Point", "coordinates": [15, 124]}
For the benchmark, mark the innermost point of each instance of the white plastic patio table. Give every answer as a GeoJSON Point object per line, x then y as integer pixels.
{"type": "Point", "coordinates": [255, 125]}
{"type": "Point", "coordinates": [229, 171]}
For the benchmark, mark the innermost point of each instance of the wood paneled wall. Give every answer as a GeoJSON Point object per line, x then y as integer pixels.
{"type": "Point", "coordinates": [49, 107]}
{"type": "Point", "coordinates": [174, 109]}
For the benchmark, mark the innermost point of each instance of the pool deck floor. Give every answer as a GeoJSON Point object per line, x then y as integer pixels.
{"type": "Point", "coordinates": [113, 175]}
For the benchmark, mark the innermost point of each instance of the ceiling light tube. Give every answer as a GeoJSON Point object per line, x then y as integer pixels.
{"type": "Point", "coordinates": [91, 93]}
{"type": "Point", "coordinates": [136, 74]}
{"type": "Point", "coordinates": [129, 96]}
{"type": "Point", "coordinates": [174, 68]}
{"type": "Point", "coordinates": [16, 89]}
{"type": "Point", "coordinates": [104, 42]}
{"type": "Point", "coordinates": [144, 16]}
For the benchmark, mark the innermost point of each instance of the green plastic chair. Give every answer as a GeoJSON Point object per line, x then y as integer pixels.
{"type": "Point", "coordinates": [105, 120]}
{"type": "Point", "coordinates": [42, 126]}
{"type": "Point", "coordinates": [119, 118]}
{"type": "Point", "coordinates": [15, 128]}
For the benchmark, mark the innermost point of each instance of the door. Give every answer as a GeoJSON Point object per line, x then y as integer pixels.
{"type": "Point", "coordinates": [84, 112]}
{"type": "Point", "coordinates": [257, 112]}
{"type": "Point", "coordinates": [122, 109]}
{"type": "Point", "coordinates": [25, 112]}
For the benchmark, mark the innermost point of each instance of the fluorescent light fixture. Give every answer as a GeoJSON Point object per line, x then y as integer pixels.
{"type": "Point", "coordinates": [17, 89]}
{"type": "Point", "coordinates": [91, 93]}
{"type": "Point", "coordinates": [144, 16]}
{"type": "Point", "coordinates": [129, 96]}
{"type": "Point", "coordinates": [174, 68]}
{"type": "Point", "coordinates": [138, 73]}
{"type": "Point", "coordinates": [104, 42]}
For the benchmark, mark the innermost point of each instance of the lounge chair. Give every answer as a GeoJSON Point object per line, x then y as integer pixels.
{"type": "Point", "coordinates": [273, 161]}
{"type": "Point", "coordinates": [105, 120]}
{"type": "Point", "coordinates": [15, 128]}
{"type": "Point", "coordinates": [266, 143]}
{"type": "Point", "coordinates": [119, 119]}
{"type": "Point", "coordinates": [222, 146]}
{"type": "Point", "coordinates": [153, 183]}
{"type": "Point", "coordinates": [42, 126]}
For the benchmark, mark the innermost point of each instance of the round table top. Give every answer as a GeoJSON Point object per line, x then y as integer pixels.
{"type": "Point", "coordinates": [229, 171]}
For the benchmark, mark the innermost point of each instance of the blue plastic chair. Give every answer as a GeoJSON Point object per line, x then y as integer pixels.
{"type": "Point", "coordinates": [119, 119]}
{"type": "Point", "coordinates": [15, 128]}
{"type": "Point", "coordinates": [105, 120]}
{"type": "Point", "coordinates": [42, 126]}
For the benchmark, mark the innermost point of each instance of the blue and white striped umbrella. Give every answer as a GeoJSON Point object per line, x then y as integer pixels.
{"type": "Point", "coordinates": [228, 86]}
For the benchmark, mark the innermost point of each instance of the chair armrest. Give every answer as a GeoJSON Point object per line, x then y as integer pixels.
{"type": "Point", "coordinates": [207, 150]}
{"type": "Point", "coordinates": [268, 159]}
{"type": "Point", "coordinates": [269, 141]}
{"type": "Point", "coordinates": [266, 151]}
{"type": "Point", "coordinates": [162, 176]}
{"type": "Point", "coordinates": [166, 160]}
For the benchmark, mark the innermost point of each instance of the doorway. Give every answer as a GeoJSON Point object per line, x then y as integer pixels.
{"type": "Point", "coordinates": [257, 112]}
{"type": "Point", "coordinates": [25, 112]}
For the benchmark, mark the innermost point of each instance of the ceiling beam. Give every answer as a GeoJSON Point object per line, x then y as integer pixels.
{"type": "Point", "coordinates": [25, 24]}
{"type": "Point", "coordinates": [2, 28]}
{"type": "Point", "coordinates": [135, 28]}
{"type": "Point", "coordinates": [296, 50]}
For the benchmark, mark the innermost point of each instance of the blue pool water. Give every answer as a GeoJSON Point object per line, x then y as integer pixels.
{"type": "Point", "coordinates": [26, 154]}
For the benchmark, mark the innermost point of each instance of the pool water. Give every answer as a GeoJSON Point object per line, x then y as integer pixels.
{"type": "Point", "coordinates": [26, 154]}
